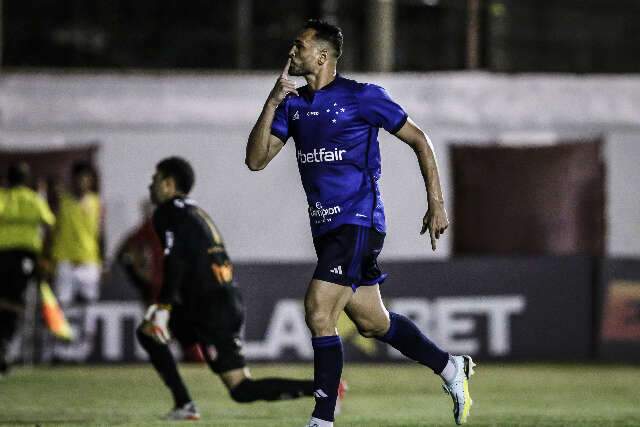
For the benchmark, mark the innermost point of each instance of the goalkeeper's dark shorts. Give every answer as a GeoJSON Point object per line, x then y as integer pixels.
{"type": "Point", "coordinates": [348, 256]}
{"type": "Point", "coordinates": [216, 328]}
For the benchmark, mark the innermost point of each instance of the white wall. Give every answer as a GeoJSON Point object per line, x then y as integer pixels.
{"type": "Point", "coordinates": [206, 118]}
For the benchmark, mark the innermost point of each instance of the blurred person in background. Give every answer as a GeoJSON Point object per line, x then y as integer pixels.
{"type": "Point", "coordinates": [140, 255]}
{"type": "Point", "coordinates": [77, 254]}
{"type": "Point", "coordinates": [23, 213]}
{"type": "Point", "coordinates": [334, 122]}
{"type": "Point", "coordinates": [199, 301]}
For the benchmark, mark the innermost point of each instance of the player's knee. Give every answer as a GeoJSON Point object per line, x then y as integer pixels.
{"type": "Point", "coordinates": [372, 329]}
{"type": "Point", "coordinates": [320, 324]}
{"type": "Point", "coordinates": [242, 392]}
{"type": "Point", "coordinates": [367, 332]}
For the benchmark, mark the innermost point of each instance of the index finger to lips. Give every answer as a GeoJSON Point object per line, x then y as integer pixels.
{"type": "Point", "coordinates": [285, 71]}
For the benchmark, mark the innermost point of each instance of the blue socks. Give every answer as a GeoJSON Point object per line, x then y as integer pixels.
{"type": "Point", "coordinates": [327, 363]}
{"type": "Point", "coordinates": [404, 336]}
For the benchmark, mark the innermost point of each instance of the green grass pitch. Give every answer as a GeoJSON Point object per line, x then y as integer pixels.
{"type": "Point", "coordinates": [380, 395]}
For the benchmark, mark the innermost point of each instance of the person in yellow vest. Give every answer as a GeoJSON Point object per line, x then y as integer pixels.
{"type": "Point", "coordinates": [76, 252]}
{"type": "Point", "coordinates": [23, 213]}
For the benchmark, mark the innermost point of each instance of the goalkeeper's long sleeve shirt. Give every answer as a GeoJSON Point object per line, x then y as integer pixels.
{"type": "Point", "coordinates": [196, 264]}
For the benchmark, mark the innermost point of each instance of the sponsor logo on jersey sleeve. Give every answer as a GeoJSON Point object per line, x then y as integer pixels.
{"type": "Point", "coordinates": [222, 272]}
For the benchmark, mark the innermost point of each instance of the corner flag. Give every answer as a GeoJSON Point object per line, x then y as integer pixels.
{"type": "Point", "coordinates": [53, 315]}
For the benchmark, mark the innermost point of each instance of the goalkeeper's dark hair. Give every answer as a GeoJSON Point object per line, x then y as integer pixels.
{"type": "Point", "coordinates": [180, 170]}
{"type": "Point", "coordinates": [327, 32]}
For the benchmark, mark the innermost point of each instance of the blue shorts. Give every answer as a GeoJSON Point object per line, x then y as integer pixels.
{"type": "Point", "coordinates": [348, 256]}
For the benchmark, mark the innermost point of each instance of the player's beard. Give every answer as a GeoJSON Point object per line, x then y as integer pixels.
{"type": "Point", "coordinates": [297, 70]}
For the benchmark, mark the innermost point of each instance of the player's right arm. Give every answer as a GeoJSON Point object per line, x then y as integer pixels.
{"type": "Point", "coordinates": [262, 145]}
{"type": "Point", "coordinates": [174, 240]}
{"type": "Point", "coordinates": [156, 318]}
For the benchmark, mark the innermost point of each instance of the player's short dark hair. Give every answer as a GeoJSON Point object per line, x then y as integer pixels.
{"type": "Point", "coordinates": [18, 174]}
{"type": "Point", "coordinates": [180, 170]}
{"type": "Point", "coordinates": [327, 32]}
{"type": "Point", "coordinates": [82, 167]}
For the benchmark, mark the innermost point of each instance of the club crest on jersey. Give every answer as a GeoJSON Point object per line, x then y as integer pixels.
{"type": "Point", "coordinates": [335, 112]}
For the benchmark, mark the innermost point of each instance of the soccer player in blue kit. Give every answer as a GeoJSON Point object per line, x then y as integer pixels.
{"type": "Point", "coordinates": [334, 122]}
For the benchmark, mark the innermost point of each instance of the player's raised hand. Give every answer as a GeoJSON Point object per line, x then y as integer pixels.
{"type": "Point", "coordinates": [285, 71]}
{"type": "Point", "coordinates": [283, 86]}
{"type": "Point", "coordinates": [435, 220]}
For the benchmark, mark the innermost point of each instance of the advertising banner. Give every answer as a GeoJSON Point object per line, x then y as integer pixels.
{"type": "Point", "coordinates": [491, 308]}
{"type": "Point", "coordinates": [620, 319]}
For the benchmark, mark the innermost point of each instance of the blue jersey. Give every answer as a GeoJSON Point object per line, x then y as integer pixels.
{"type": "Point", "coordinates": [335, 130]}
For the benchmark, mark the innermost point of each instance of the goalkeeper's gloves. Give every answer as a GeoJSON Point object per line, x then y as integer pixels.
{"type": "Point", "coordinates": [156, 321]}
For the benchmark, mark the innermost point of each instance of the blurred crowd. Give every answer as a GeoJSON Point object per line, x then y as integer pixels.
{"type": "Point", "coordinates": [39, 245]}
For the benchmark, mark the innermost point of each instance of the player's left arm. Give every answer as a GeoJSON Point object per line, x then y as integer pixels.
{"type": "Point", "coordinates": [435, 220]}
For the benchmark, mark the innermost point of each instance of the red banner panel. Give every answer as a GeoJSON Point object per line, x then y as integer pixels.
{"type": "Point", "coordinates": [528, 200]}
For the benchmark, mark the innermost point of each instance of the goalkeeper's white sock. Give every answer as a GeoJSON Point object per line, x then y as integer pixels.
{"type": "Point", "coordinates": [449, 372]}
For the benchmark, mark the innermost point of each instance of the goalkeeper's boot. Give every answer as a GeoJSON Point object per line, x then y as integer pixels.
{"type": "Point", "coordinates": [458, 389]}
{"type": "Point", "coordinates": [315, 422]}
{"type": "Point", "coordinates": [186, 412]}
